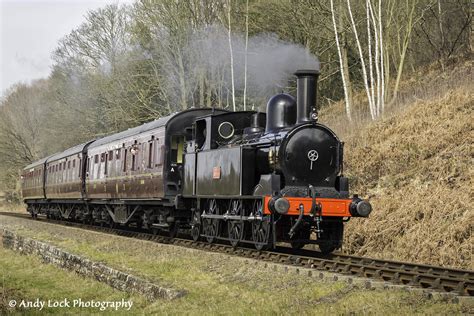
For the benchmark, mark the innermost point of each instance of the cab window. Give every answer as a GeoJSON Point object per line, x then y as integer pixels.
{"type": "Point", "coordinates": [177, 149]}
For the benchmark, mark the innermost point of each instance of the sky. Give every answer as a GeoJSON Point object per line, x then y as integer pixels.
{"type": "Point", "coordinates": [29, 32]}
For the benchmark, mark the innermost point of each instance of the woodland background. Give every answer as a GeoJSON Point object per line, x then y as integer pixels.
{"type": "Point", "coordinates": [129, 64]}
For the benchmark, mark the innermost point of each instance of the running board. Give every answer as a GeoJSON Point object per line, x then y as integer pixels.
{"type": "Point", "coordinates": [232, 217]}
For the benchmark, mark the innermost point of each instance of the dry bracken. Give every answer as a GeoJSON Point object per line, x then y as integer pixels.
{"type": "Point", "coordinates": [416, 168]}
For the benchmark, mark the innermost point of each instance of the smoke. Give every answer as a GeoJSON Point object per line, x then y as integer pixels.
{"type": "Point", "coordinates": [271, 63]}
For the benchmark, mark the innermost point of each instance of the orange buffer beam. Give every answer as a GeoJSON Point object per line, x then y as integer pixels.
{"type": "Point", "coordinates": [329, 207]}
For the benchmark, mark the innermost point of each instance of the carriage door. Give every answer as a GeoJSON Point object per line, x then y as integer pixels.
{"type": "Point", "coordinates": [176, 168]}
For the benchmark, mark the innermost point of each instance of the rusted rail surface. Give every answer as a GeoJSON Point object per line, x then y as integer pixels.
{"type": "Point", "coordinates": [460, 282]}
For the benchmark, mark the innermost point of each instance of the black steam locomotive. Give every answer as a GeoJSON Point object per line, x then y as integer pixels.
{"type": "Point", "coordinates": [244, 177]}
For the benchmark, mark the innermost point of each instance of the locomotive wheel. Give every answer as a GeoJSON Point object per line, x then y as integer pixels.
{"type": "Point", "coordinates": [211, 225]}
{"type": "Point", "coordinates": [332, 234]}
{"type": "Point", "coordinates": [235, 227]}
{"type": "Point", "coordinates": [196, 226]}
{"type": "Point", "coordinates": [260, 228]}
{"type": "Point", "coordinates": [87, 221]}
{"type": "Point", "coordinates": [261, 233]}
{"type": "Point", "coordinates": [236, 232]}
{"type": "Point", "coordinates": [327, 249]}
{"type": "Point", "coordinates": [173, 230]}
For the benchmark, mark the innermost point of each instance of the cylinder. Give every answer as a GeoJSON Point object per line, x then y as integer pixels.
{"type": "Point", "coordinates": [307, 82]}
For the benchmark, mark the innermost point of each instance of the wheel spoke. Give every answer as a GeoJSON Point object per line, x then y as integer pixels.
{"type": "Point", "coordinates": [235, 227]}
{"type": "Point", "coordinates": [211, 226]}
{"type": "Point", "coordinates": [260, 228]}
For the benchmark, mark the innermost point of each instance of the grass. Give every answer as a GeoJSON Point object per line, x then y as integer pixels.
{"type": "Point", "coordinates": [26, 278]}
{"type": "Point", "coordinates": [12, 207]}
{"type": "Point", "coordinates": [222, 284]}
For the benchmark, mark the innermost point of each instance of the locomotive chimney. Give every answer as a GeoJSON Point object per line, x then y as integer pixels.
{"type": "Point", "coordinates": [307, 82]}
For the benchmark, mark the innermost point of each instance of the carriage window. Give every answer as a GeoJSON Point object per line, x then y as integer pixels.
{"type": "Point", "coordinates": [150, 155]}
{"type": "Point", "coordinates": [125, 153]}
{"type": "Point", "coordinates": [159, 154]}
{"type": "Point", "coordinates": [177, 149]}
{"type": "Point", "coordinates": [117, 154]}
{"type": "Point", "coordinates": [105, 164]}
{"type": "Point", "coordinates": [74, 163]}
{"type": "Point", "coordinates": [96, 158]}
{"type": "Point", "coordinates": [134, 152]}
{"type": "Point", "coordinates": [69, 164]}
{"type": "Point", "coordinates": [111, 155]}
{"type": "Point", "coordinates": [200, 133]}
{"type": "Point", "coordinates": [102, 157]}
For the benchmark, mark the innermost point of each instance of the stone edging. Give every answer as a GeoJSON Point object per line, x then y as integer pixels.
{"type": "Point", "coordinates": [85, 267]}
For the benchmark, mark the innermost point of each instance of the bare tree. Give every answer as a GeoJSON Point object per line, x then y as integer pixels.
{"type": "Point", "coordinates": [382, 63]}
{"type": "Point", "coordinates": [21, 129]}
{"type": "Point", "coordinates": [98, 42]}
{"type": "Point", "coordinates": [361, 57]}
{"type": "Point", "coordinates": [229, 10]}
{"type": "Point", "coordinates": [341, 65]}
{"type": "Point", "coordinates": [246, 52]}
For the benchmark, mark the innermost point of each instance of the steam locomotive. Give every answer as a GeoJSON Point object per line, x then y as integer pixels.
{"type": "Point", "coordinates": [244, 177]}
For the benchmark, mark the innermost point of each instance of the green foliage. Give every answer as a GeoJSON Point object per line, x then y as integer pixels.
{"type": "Point", "coordinates": [45, 282]}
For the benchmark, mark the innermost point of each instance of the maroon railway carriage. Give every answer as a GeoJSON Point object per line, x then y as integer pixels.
{"type": "Point", "coordinates": [32, 181]}
{"type": "Point", "coordinates": [109, 179]}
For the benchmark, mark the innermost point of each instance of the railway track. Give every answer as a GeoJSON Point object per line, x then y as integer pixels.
{"type": "Point", "coordinates": [440, 279]}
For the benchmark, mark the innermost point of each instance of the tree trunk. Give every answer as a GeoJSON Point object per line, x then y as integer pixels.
{"type": "Point", "coordinates": [208, 94]}
{"type": "Point", "coordinates": [342, 68]}
{"type": "Point", "coordinates": [182, 83]}
{"type": "Point", "coordinates": [231, 58]}
{"type": "Point", "coordinates": [345, 66]}
{"type": "Point", "coordinates": [246, 53]}
{"type": "Point", "coordinates": [201, 90]}
{"type": "Point", "coordinates": [404, 47]}
{"type": "Point", "coordinates": [364, 69]}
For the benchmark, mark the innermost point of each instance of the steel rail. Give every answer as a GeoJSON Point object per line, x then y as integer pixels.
{"type": "Point", "coordinates": [457, 281]}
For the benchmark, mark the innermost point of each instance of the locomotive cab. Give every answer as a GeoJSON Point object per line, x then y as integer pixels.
{"type": "Point", "coordinates": [213, 159]}
{"type": "Point", "coordinates": [178, 133]}
{"type": "Point", "coordinates": [217, 130]}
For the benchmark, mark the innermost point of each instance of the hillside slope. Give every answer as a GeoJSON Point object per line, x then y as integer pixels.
{"type": "Point", "coordinates": [416, 168]}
